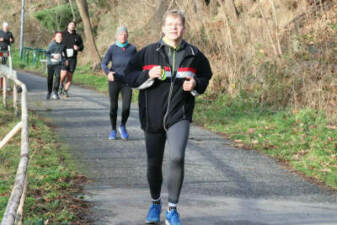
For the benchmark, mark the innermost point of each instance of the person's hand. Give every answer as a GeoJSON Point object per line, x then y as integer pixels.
{"type": "Point", "coordinates": [155, 72]}
{"type": "Point", "coordinates": [76, 47]}
{"type": "Point", "coordinates": [57, 56]}
{"type": "Point", "coordinates": [111, 76]}
{"type": "Point", "coordinates": [11, 39]}
{"type": "Point", "coordinates": [1, 39]}
{"type": "Point", "coordinates": [189, 84]}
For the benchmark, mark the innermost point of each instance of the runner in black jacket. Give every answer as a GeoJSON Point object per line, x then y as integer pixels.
{"type": "Point", "coordinates": [170, 73]}
{"type": "Point", "coordinates": [73, 43]}
{"type": "Point", "coordinates": [6, 39]}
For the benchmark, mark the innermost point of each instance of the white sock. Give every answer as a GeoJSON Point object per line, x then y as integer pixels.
{"type": "Point", "coordinates": [172, 205]}
{"type": "Point", "coordinates": [156, 200]}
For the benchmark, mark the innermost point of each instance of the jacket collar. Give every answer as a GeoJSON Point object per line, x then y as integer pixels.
{"type": "Point", "coordinates": [74, 32]}
{"type": "Point", "coordinates": [189, 49]}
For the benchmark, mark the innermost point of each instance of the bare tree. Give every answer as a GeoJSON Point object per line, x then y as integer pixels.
{"type": "Point", "coordinates": [72, 9]}
{"type": "Point", "coordinates": [154, 24]}
{"type": "Point", "coordinates": [90, 41]}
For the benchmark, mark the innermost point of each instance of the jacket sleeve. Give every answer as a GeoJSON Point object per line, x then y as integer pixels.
{"type": "Point", "coordinates": [134, 76]}
{"type": "Point", "coordinates": [106, 60]}
{"type": "Point", "coordinates": [49, 50]}
{"type": "Point", "coordinates": [13, 40]}
{"type": "Point", "coordinates": [63, 53]}
{"type": "Point", "coordinates": [80, 43]}
{"type": "Point", "coordinates": [204, 74]}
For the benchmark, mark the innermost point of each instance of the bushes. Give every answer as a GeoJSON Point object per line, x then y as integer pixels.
{"type": "Point", "coordinates": [56, 18]}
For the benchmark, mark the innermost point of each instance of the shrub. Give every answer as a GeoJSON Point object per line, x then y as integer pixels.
{"type": "Point", "coordinates": [56, 18]}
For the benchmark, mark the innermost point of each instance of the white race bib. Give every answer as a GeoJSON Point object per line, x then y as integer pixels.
{"type": "Point", "coordinates": [53, 59]}
{"type": "Point", "coordinates": [70, 52]}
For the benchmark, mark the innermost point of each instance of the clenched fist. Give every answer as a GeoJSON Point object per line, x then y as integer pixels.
{"type": "Point", "coordinates": [189, 84]}
{"type": "Point", "coordinates": [155, 72]}
{"type": "Point", "coordinates": [111, 76]}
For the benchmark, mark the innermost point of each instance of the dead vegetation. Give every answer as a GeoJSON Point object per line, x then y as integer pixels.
{"type": "Point", "coordinates": [281, 52]}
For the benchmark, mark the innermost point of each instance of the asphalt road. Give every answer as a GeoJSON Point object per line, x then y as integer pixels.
{"type": "Point", "coordinates": [223, 185]}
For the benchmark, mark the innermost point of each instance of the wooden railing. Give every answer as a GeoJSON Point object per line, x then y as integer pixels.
{"type": "Point", "coordinates": [14, 210]}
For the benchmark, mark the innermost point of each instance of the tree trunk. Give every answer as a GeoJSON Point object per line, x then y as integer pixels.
{"type": "Point", "coordinates": [90, 41]}
{"type": "Point", "coordinates": [72, 10]}
{"type": "Point", "coordinates": [155, 23]}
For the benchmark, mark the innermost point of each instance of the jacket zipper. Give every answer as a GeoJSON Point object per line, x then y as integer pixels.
{"type": "Point", "coordinates": [171, 89]}
{"type": "Point", "coordinates": [173, 78]}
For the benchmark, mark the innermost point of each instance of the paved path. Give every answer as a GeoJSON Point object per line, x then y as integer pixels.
{"type": "Point", "coordinates": [223, 185]}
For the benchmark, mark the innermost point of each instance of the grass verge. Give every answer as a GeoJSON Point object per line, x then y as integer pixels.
{"type": "Point", "coordinates": [305, 140]}
{"type": "Point", "coordinates": [53, 181]}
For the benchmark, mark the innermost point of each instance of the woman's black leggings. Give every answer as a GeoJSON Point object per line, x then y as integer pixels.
{"type": "Point", "coordinates": [114, 88]}
{"type": "Point", "coordinates": [53, 70]}
{"type": "Point", "coordinates": [177, 136]}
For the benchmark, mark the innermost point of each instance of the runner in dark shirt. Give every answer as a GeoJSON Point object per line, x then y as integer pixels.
{"type": "Point", "coordinates": [6, 39]}
{"type": "Point", "coordinates": [119, 55]}
{"type": "Point", "coordinates": [73, 44]}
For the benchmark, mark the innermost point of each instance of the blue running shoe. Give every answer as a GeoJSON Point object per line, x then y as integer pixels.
{"type": "Point", "coordinates": [172, 218]}
{"type": "Point", "coordinates": [113, 135]}
{"type": "Point", "coordinates": [123, 132]}
{"type": "Point", "coordinates": [153, 216]}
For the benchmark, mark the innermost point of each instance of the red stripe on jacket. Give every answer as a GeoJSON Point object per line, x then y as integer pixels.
{"type": "Point", "coordinates": [148, 67]}
{"type": "Point", "coordinates": [182, 69]}
{"type": "Point", "coordinates": [185, 69]}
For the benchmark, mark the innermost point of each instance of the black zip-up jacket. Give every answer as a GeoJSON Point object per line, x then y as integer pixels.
{"type": "Point", "coordinates": [6, 42]}
{"type": "Point", "coordinates": [162, 103]}
{"type": "Point", "coordinates": [71, 39]}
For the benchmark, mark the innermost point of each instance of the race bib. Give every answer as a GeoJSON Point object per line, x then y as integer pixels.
{"type": "Point", "coordinates": [54, 60]}
{"type": "Point", "coordinates": [70, 52]}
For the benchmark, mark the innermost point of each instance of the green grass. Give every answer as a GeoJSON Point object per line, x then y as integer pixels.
{"type": "Point", "coordinates": [53, 181]}
{"type": "Point", "coordinates": [85, 77]}
{"type": "Point", "coordinates": [306, 140]}
{"type": "Point", "coordinates": [22, 64]}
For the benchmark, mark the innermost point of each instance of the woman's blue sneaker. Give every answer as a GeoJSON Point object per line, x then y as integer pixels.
{"type": "Point", "coordinates": [123, 132]}
{"type": "Point", "coordinates": [172, 217]}
{"type": "Point", "coordinates": [153, 216]}
{"type": "Point", "coordinates": [113, 135]}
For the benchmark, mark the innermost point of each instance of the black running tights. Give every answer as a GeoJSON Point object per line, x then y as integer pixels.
{"type": "Point", "coordinates": [114, 88]}
{"type": "Point", "coordinates": [53, 70]}
{"type": "Point", "coordinates": [177, 136]}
